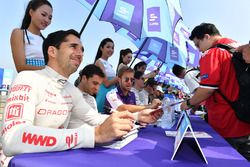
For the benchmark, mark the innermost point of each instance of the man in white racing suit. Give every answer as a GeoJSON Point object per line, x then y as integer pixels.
{"type": "Point", "coordinates": [40, 105]}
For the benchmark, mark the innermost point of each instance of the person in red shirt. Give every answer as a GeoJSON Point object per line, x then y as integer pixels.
{"type": "Point", "coordinates": [217, 74]}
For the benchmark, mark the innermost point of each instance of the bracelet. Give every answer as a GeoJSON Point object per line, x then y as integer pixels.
{"type": "Point", "coordinates": [189, 105]}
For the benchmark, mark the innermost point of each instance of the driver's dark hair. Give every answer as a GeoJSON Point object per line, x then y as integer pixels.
{"type": "Point", "coordinates": [55, 39]}
{"type": "Point", "coordinates": [89, 71]}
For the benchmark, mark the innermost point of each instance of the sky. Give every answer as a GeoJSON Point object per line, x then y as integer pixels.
{"type": "Point", "coordinates": [230, 17]}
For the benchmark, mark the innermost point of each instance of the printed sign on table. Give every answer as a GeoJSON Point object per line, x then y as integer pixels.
{"type": "Point", "coordinates": [183, 125]}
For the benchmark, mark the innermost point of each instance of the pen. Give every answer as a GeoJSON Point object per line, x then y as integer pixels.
{"type": "Point", "coordinates": [178, 112]}
{"type": "Point", "coordinates": [133, 131]}
{"type": "Point", "coordinates": [173, 104]}
{"type": "Point", "coordinates": [108, 109]}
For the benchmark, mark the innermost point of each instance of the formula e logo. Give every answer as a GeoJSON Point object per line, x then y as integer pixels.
{"type": "Point", "coordinates": [40, 140]}
{"type": "Point", "coordinates": [14, 111]}
{"type": "Point", "coordinates": [72, 139]}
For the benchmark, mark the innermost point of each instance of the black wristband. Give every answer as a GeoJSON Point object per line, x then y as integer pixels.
{"type": "Point", "coordinates": [188, 104]}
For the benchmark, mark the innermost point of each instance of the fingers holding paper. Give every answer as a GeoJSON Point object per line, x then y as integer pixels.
{"type": "Point", "coordinates": [115, 126]}
{"type": "Point", "coordinates": [149, 115]}
{"type": "Point", "coordinates": [156, 103]}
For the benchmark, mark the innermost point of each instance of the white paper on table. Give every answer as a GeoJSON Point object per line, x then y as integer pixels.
{"type": "Point", "coordinates": [126, 139]}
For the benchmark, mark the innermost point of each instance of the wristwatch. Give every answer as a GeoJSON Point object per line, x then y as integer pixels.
{"type": "Point", "coordinates": [188, 104]}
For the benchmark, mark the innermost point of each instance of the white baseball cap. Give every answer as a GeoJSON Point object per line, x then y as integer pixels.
{"type": "Point", "coordinates": [159, 88]}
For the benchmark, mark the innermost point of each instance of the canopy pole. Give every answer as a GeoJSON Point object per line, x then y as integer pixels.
{"type": "Point", "coordinates": [87, 20]}
{"type": "Point", "coordinates": [139, 51]}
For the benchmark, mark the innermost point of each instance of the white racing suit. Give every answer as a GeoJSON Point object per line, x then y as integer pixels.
{"type": "Point", "coordinates": [40, 106]}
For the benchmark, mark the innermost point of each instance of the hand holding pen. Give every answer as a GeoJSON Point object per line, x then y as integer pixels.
{"type": "Point", "coordinates": [115, 126]}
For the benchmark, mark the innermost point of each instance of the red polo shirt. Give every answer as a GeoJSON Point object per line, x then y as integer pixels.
{"type": "Point", "coordinates": [217, 72]}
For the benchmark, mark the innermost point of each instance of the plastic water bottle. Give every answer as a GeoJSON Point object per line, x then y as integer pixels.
{"type": "Point", "coordinates": [168, 117]}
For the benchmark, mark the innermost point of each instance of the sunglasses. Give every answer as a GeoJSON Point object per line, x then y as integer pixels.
{"type": "Point", "coordinates": [126, 79]}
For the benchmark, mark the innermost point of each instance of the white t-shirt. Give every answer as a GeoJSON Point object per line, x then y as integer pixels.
{"type": "Point", "coordinates": [192, 79]}
{"type": "Point", "coordinates": [139, 96]}
{"type": "Point", "coordinates": [144, 96]}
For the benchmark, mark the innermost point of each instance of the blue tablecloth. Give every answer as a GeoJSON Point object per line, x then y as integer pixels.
{"type": "Point", "coordinates": [151, 148]}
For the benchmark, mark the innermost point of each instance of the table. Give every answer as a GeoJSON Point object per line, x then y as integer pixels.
{"type": "Point", "coordinates": [151, 148]}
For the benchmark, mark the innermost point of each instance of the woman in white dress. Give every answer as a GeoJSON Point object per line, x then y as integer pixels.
{"type": "Point", "coordinates": [105, 50]}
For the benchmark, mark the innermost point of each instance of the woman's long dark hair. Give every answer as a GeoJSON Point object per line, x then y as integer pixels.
{"type": "Point", "coordinates": [123, 52]}
{"type": "Point", "coordinates": [99, 52]}
{"type": "Point", "coordinates": [33, 4]}
{"type": "Point", "coordinates": [138, 65]}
